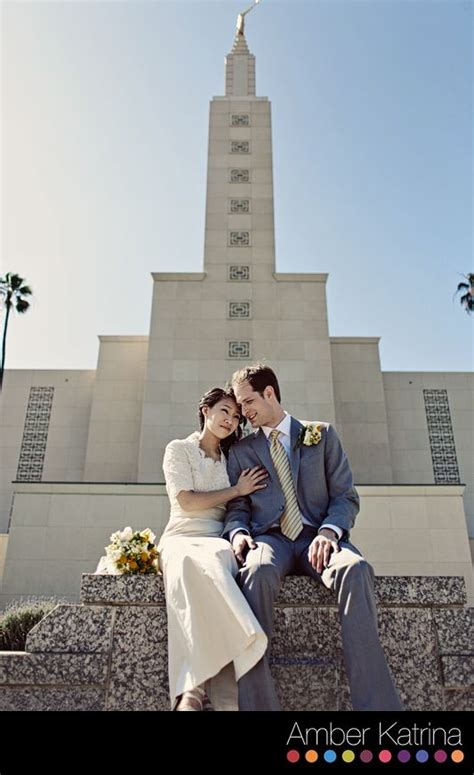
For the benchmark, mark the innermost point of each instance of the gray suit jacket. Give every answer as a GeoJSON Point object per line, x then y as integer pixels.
{"type": "Point", "coordinates": [321, 475]}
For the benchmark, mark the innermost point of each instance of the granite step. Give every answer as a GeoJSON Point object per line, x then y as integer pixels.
{"type": "Point", "coordinates": [110, 651]}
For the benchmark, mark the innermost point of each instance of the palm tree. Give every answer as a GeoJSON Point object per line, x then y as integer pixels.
{"type": "Point", "coordinates": [467, 299]}
{"type": "Point", "coordinates": [12, 290]}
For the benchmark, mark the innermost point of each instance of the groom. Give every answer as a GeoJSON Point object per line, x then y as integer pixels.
{"type": "Point", "coordinates": [300, 524]}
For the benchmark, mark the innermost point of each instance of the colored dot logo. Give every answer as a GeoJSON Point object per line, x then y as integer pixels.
{"type": "Point", "coordinates": [384, 756]}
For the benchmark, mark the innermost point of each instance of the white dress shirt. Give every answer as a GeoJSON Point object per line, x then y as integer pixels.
{"type": "Point", "coordinates": [284, 438]}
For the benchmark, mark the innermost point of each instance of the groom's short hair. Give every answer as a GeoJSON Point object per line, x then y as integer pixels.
{"type": "Point", "coordinates": [259, 377]}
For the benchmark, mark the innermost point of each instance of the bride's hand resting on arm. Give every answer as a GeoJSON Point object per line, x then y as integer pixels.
{"type": "Point", "coordinates": [250, 480]}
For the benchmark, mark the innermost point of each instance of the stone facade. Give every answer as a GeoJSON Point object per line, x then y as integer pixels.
{"type": "Point", "coordinates": [111, 425]}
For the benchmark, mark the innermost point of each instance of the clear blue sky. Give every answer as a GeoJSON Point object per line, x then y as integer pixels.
{"type": "Point", "coordinates": [104, 142]}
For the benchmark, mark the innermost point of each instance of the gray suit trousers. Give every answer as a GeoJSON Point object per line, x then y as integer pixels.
{"type": "Point", "coordinates": [351, 577]}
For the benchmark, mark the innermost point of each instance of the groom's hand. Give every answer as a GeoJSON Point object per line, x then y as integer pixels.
{"type": "Point", "coordinates": [321, 548]}
{"type": "Point", "coordinates": [241, 543]}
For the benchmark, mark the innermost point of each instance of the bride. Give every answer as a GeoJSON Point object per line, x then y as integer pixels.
{"type": "Point", "coordinates": [213, 635]}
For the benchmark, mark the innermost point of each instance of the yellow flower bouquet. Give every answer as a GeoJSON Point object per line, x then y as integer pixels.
{"type": "Point", "coordinates": [130, 552]}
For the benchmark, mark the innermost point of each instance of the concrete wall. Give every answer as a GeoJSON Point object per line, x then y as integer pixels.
{"type": "Point", "coordinates": [114, 430]}
{"type": "Point", "coordinates": [59, 532]}
{"type": "Point", "coordinates": [66, 428]}
{"type": "Point", "coordinates": [408, 428]}
{"type": "Point", "coordinates": [3, 553]}
{"type": "Point", "coordinates": [415, 530]}
{"type": "Point", "coordinates": [361, 417]}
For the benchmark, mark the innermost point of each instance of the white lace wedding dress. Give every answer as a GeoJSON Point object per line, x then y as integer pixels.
{"type": "Point", "coordinates": [213, 635]}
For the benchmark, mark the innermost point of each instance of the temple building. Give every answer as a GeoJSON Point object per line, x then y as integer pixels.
{"type": "Point", "coordinates": [82, 450]}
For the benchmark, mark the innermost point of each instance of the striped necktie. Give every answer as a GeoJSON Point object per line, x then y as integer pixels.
{"type": "Point", "coordinates": [291, 523]}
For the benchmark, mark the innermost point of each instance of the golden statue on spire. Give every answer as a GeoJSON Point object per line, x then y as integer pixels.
{"type": "Point", "coordinates": [241, 18]}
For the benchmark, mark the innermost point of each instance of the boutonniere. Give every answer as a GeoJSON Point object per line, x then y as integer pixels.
{"type": "Point", "coordinates": [309, 436]}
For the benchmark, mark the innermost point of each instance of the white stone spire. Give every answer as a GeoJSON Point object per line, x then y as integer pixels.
{"type": "Point", "coordinates": [205, 325]}
{"type": "Point", "coordinates": [240, 63]}
{"type": "Point", "coordinates": [240, 70]}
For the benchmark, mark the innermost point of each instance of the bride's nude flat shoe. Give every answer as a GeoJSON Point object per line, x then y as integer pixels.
{"type": "Point", "coordinates": [192, 700]}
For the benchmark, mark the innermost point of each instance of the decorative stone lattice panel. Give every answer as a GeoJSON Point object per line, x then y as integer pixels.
{"type": "Point", "coordinates": [240, 119]}
{"type": "Point", "coordinates": [239, 176]}
{"type": "Point", "coordinates": [239, 350]}
{"type": "Point", "coordinates": [239, 309]}
{"type": "Point", "coordinates": [239, 146]}
{"type": "Point", "coordinates": [239, 206]}
{"type": "Point", "coordinates": [440, 430]}
{"type": "Point", "coordinates": [239, 239]}
{"type": "Point", "coordinates": [239, 273]}
{"type": "Point", "coordinates": [35, 434]}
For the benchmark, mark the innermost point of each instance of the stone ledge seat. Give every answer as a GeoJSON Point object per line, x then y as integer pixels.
{"type": "Point", "coordinates": [110, 651]}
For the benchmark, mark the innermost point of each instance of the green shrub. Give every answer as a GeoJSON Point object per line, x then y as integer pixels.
{"type": "Point", "coordinates": [19, 618]}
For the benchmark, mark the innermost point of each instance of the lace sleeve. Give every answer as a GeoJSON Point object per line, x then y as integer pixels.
{"type": "Point", "coordinates": [177, 469]}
